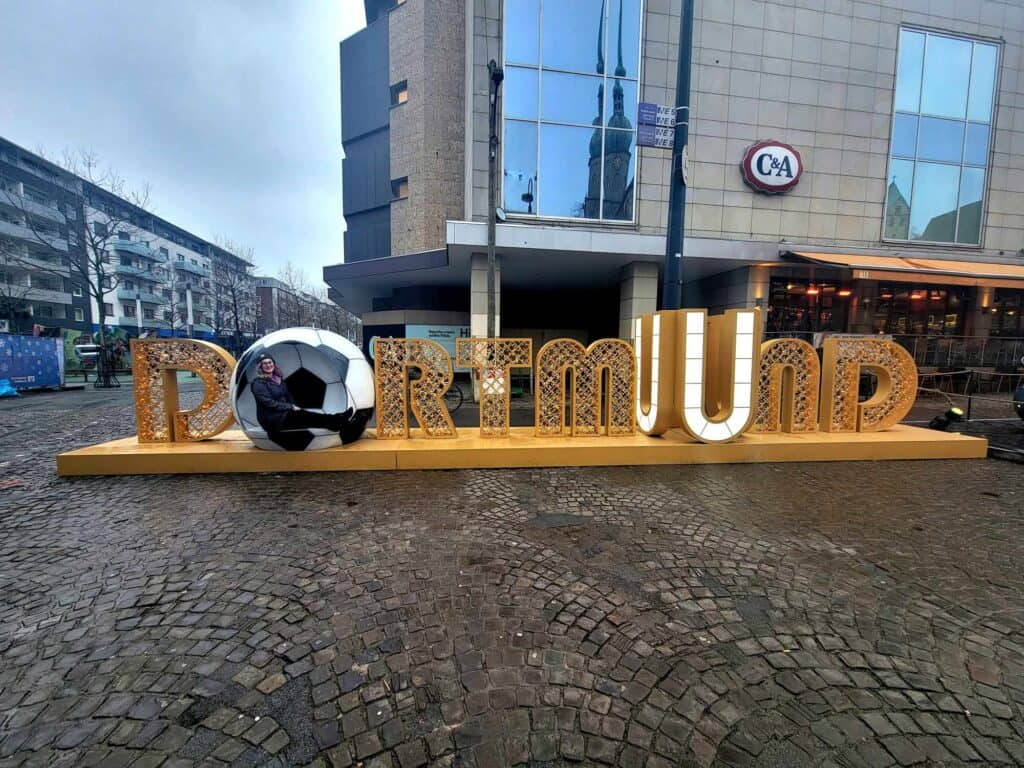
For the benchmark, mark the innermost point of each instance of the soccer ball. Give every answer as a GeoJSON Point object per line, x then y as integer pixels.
{"type": "Point", "coordinates": [323, 372]}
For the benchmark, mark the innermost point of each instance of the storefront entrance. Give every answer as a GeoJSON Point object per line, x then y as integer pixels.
{"type": "Point", "coordinates": [920, 310]}
{"type": "Point", "coordinates": [805, 307]}
{"type": "Point", "coordinates": [1006, 311]}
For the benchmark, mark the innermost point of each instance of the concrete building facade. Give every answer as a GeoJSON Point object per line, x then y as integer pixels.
{"type": "Point", "coordinates": [908, 119]}
{"type": "Point", "coordinates": [169, 282]}
{"type": "Point", "coordinates": [40, 220]}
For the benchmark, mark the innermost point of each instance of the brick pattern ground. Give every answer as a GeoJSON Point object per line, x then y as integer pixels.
{"type": "Point", "coordinates": [778, 615]}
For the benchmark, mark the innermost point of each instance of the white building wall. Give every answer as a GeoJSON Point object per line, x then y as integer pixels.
{"type": "Point", "coordinates": [817, 74]}
{"type": "Point", "coordinates": [203, 297]}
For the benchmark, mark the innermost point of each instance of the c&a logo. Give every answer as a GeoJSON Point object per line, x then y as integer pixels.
{"type": "Point", "coordinates": [771, 167]}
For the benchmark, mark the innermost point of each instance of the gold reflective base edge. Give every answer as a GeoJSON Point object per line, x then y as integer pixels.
{"type": "Point", "coordinates": [231, 452]}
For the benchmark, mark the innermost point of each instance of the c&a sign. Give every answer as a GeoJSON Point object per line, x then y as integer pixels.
{"type": "Point", "coordinates": [771, 167]}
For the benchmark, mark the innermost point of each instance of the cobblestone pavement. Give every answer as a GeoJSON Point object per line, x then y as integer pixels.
{"type": "Point", "coordinates": [777, 615]}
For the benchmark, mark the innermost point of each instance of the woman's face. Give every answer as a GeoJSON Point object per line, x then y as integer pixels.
{"type": "Point", "coordinates": [267, 366]}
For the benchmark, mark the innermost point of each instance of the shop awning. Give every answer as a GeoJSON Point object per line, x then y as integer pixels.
{"type": "Point", "coordinates": [913, 269]}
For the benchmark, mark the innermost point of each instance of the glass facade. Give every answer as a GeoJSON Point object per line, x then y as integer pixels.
{"type": "Point", "coordinates": [1007, 313]}
{"type": "Point", "coordinates": [569, 148]}
{"type": "Point", "coordinates": [906, 308]}
{"type": "Point", "coordinates": [941, 134]}
{"type": "Point", "coordinates": [800, 307]}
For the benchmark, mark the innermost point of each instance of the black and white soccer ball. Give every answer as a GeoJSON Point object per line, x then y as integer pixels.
{"type": "Point", "coordinates": [323, 372]}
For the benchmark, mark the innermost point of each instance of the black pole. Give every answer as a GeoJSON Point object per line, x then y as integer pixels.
{"type": "Point", "coordinates": [672, 274]}
{"type": "Point", "coordinates": [495, 76]}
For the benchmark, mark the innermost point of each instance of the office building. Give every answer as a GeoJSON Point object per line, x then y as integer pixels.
{"type": "Point", "coordinates": [900, 126]}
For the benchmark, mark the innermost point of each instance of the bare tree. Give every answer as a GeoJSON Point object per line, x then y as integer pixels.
{"type": "Point", "coordinates": [294, 309]}
{"type": "Point", "coordinates": [106, 221]}
{"type": "Point", "coordinates": [13, 298]}
{"type": "Point", "coordinates": [235, 291]}
{"type": "Point", "coordinates": [330, 316]}
{"type": "Point", "coordinates": [173, 308]}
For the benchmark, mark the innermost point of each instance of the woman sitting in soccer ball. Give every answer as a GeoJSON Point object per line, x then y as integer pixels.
{"type": "Point", "coordinates": [276, 410]}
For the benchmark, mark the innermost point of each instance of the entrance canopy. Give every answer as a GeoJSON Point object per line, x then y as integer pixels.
{"type": "Point", "coordinates": [914, 269]}
{"type": "Point", "coordinates": [531, 257]}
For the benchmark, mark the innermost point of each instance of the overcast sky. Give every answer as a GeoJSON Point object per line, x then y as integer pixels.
{"type": "Point", "coordinates": [228, 109]}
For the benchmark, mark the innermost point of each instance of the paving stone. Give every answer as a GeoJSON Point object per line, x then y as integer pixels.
{"type": "Point", "coordinates": [903, 749]}
{"type": "Point", "coordinates": [278, 741]}
{"type": "Point", "coordinates": [260, 730]}
{"type": "Point", "coordinates": [411, 755]}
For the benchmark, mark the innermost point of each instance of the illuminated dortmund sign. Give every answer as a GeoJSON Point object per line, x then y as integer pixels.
{"type": "Point", "coordinates": [691, 388]}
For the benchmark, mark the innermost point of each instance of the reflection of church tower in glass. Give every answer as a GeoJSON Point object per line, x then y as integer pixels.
{"type": "Point", "coordinates": [618, 197]}
{"type": "Point", "coordinates": [897, 213]}
{"type": "Point", "coordinates": [592, 204]}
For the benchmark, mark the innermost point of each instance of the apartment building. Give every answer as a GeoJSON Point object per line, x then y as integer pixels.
{"type": "Point", "coordinates": [40, 221]}
{"type": "Point", "coordinates": [900, 126]}
{"type": "Point", "coordinates": [170, 282]}
{"type": "Point", "coordinates": [162, 279]}
{"type": "Point", "coordinates": [279, 305]}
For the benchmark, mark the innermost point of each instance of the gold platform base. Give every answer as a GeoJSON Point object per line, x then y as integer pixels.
{"type": "Point", "coordinates": [232, 452]}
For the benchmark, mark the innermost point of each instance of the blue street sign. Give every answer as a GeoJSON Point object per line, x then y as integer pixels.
{"type": "Point", "coordinates": [655, 114]}
{"type": "Point", "coordinates": [654, 136]}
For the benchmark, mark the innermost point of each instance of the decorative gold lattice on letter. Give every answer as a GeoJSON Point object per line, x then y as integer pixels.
{"type": "Point", "coordinates": [155, 366]}
{"type": "Point", "coordinates": [394, 358]}
{"type": "Point", "coordinates": [494, 358]}
{"type": "Point", "coordinates": [787, 399]}
{"type": "Point", "coordinates": [588, 364]}
{"type": "Point", "coordinates": [840, 379]}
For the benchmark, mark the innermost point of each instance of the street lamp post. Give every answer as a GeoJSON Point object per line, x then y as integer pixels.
{"type": "Point", "coordinates": [496, 75]}
{"type": "Point", "coordinates": [672, 287]}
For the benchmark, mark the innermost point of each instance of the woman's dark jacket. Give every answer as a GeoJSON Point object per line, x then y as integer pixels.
{"type": "Point", "coordinates": [272, 403]}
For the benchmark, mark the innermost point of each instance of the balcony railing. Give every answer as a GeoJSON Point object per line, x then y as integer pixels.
{"type": "Point", "coordinates": [133, 322]}
{"type": "Point", "coordinates": [140, 249]}
{"type": "Point", "coordinates": [126, 294]}
{"type": "Point", "coordinates": [46, 294]}
{"type": "Point", "coordinates": [146, 274]}
{"type": "Point", "coordinates": [24, 233]}
{"type": "Point", "coordinates": [963, 351]}
{"type": "Point", "coordinates": [195, 269]}
{"type": "Point", "coordinates": [22, 203]}
{"type": "Point", "coordinates": [28, 264]}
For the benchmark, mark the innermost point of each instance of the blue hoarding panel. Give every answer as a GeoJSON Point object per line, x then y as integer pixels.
{"type": "Point", "coordinates": [31, 362]}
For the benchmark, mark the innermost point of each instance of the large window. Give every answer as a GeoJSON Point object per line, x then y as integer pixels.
{"type": "Point", "coordinates": [800, 307]}
{"type": "Point", "coordinates": [1007, 313]}
{"type": "Point", "coordinates": [941, 134]}
{"type": "Point", "coordinates": [905, 308]}
{"type": "Point", "coordinates": [569, 103]}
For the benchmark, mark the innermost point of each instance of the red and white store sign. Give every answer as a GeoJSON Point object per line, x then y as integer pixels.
{"type": "Point", "coordinates": [772, 167]}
